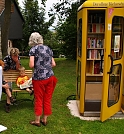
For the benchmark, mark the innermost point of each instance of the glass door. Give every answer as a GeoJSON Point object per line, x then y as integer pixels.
{"type": "Point", "coordinates": [113, 63]}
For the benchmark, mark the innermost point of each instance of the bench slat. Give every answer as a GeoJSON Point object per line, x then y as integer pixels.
{"type": "Point", "coordinates": [12, 75]}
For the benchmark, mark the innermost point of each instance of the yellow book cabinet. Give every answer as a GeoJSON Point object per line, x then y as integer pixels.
{"type": "Point", "coordinates": [100, 52]}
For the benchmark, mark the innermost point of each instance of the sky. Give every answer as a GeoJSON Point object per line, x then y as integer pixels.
{"type": "Point", "coordinates": [49, 4]}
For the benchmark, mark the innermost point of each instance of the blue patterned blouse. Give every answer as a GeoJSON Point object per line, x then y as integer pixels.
{"type": "Point", "coordinates": [42, 62]}
{"type": "Point", "coordinates": [9, 63]}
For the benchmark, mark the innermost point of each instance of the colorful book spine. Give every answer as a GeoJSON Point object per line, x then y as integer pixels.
{"type": "Point", "coordinates": [88, 43]}
{"type": "Point", "coordinates": [94, 28]}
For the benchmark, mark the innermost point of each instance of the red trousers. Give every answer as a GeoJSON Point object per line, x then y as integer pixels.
{"type": "Point", "coordinates": [43, 90]}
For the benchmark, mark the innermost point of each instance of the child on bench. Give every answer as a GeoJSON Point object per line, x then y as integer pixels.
{"type": "Point", "coordinates": [23, 81]}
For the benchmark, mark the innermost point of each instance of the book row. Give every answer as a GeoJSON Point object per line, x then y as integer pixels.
{"type": "Point", "coordinates": [94, 54]}
{"type": "Point", "coordinates": [95, 43]}
{"type": "Point", "coordinates": [94, 67]}
{"type": "Point", "coordinates": [96, 28]}
{"type": "Point", "coordinates": [96, 18]}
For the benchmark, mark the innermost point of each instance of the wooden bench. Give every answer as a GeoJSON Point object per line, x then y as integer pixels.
{"type": "Point", "coordinates": [11, 76]}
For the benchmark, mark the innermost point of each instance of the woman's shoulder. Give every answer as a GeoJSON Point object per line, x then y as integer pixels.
{"type": "Point", "coordinates": [7, 57]}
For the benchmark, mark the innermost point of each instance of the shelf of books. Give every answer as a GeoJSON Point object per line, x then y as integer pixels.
{"type": "Point", "coordinates": [95, 44]}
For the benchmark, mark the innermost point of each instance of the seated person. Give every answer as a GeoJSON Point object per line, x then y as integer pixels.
{"type": "Point", "coordinates": [7, 90]}
{"type": "Point", "coordinates": [23, 81]}
{"type": "Point", "coordinates": [12, 61]}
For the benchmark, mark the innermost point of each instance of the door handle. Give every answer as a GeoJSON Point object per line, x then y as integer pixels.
{"type": "Point", "coordinates": [111, 64]}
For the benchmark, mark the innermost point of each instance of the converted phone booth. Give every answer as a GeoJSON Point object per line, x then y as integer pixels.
{"type": "Point", "coordinates": [100, 58]}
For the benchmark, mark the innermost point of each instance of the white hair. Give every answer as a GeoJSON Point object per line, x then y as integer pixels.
{"type": "Point", "coordinates": [35, 39]}
{"type": "Point", "coordinates": [14, 51]}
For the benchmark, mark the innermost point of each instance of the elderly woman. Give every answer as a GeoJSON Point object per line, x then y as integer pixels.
{"type": "Point", "coordinates": [12, 61]}
{"type": "Point", "coordinates": [43, 80]}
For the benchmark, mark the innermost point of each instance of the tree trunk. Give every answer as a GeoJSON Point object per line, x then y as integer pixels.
{"type": "Point", "coordinates": [5, 28]}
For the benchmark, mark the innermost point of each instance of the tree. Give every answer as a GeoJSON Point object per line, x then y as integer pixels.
{"type": "Point", "coordinates": [67, 26]}
{"type": "Point", "coordinates": [67, 33]}
{"type": "Point", "coordinates": [5, 26]}
{"type": "Point", "coordinates": [34, 21]}
{"type": "Point", "coordinates": [52, 41]}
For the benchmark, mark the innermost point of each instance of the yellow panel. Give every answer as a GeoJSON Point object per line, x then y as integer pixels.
{"type": "Point", "coordinates": [98, 3]}
{"type": "Point", "coordinates": [79, 16]}
{"type": "Point", "coordinates": [83, 14]}
{"type": "Point", "coordinates": [106, 111]}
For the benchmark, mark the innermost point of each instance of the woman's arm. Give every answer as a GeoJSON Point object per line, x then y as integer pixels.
{"type": "Point", "coordinates": [53, 62]}
{"type": "Point", "coordinates": [17, 65]}
{"type": "Point", "coordinates": [31, 62]}
{"type": "Point", "coordinates": [16, 59]}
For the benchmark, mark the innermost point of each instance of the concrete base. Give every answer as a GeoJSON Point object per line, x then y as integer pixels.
{"type": "Point", "coordinates": [97, 114]}
{"type": "Point", "coordinates": [89, 115]}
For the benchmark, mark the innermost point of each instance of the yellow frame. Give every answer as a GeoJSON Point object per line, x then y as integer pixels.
{"type": "Point", "coordinates": [82, 13]}
{"type": "Point", "coordinates": [106, 111]}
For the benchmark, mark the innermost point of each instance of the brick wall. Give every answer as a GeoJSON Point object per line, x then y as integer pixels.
{"type": "Point", "coordinates": [2, 3]}
{"type": "Point", "coordinates": [2, 6]}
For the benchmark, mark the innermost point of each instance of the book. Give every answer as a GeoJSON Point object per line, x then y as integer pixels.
{"type": "Point", "coordinates": [88, 67]}
{"type": "Point", "coordinates": [96, 68]}
{"type": "Point", "coordinates": [2, 128]}
{"type": "Point", "coordinates": [92, 54]}
{"type": "Point", "coordinates": [27, 84]}
{"type": "Point", "coordinates": [90, 28]}
{"type": "Point", "coordinates": [90, 18]}
{"type": "Point", "coordinates": [94, 28]}
{"type": "Point", "coordinates": [88, 54]}
{"type": "Point", "coordinates": [91, 67]}
{"type": "Point", "coordinates": [116, 43]}
{"type": "Point", "coordinates": [89, 43]}
{"type": "Point", "coordinates": [97, 28]}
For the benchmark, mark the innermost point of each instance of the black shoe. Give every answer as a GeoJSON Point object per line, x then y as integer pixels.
{"type": "Point", "coordinates": [12, 100]}
{"type": "Point", "coordinates": [7, 109]}
{"type": "Point", "coordinates": [43, 123]}
{"type": "Point", "coordinates": [32, 92]}
{"type": "Point", "coordinates": [35, 124]}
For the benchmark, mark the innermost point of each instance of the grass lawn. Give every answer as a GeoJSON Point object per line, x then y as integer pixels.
{"type": "Point", "coordinates": [61, 121]}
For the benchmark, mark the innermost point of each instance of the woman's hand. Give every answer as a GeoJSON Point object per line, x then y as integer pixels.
{"type": "Point", "coordinates": [6, 86]}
